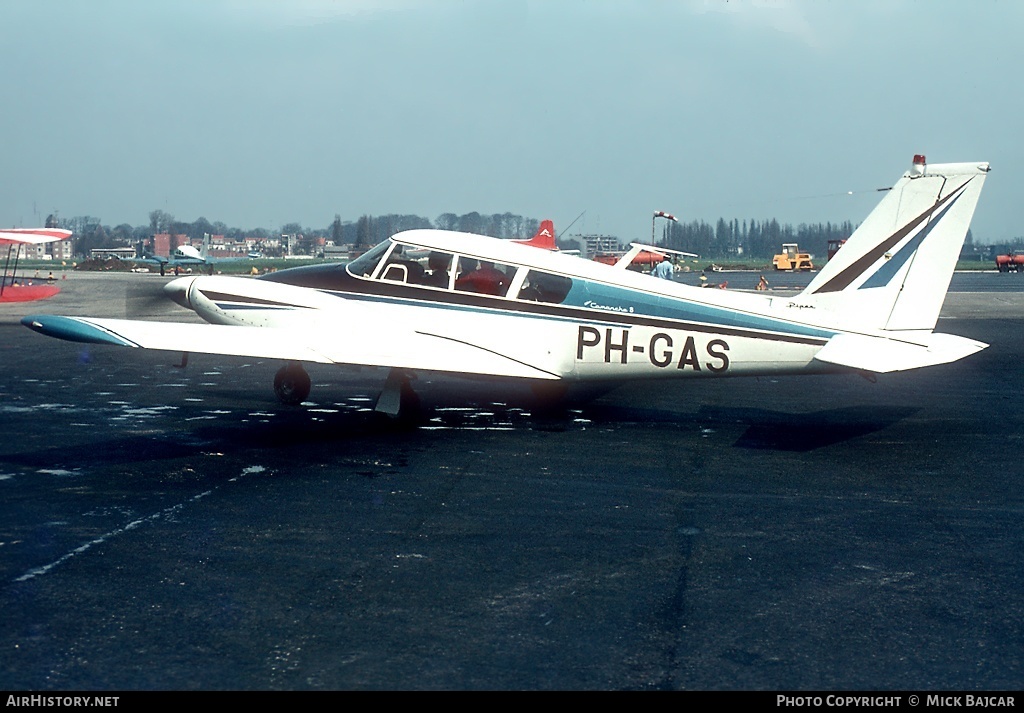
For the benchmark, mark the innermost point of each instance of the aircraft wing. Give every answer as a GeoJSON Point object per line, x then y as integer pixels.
{"type": "Point", "coordinates": [636, 248]}
{"type": "Point", "coordinates": [881, 355]}
{"type": "Point", "coordinates": [400, 348]}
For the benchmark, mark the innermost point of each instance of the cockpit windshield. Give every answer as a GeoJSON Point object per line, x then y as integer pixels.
{"type": "Point", "coordinates": [364, 265]}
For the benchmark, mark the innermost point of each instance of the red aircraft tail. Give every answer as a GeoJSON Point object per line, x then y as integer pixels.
{"type": "Point", "coordinates": [545, 237]}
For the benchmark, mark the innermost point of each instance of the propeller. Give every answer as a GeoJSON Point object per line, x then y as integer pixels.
{"type": "Point", "coordinates": [147, 298]}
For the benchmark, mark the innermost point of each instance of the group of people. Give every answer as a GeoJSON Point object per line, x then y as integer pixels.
{"type": "Point", "coordinates": [474, 276]}
{"type": "Point", "coordinates": [666, 271]}
{"type": "Point", "coordinates": [49, 278]}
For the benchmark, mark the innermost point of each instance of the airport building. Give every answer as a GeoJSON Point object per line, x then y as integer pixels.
{"type": "Point", "coordinates": [127, 253]}
{"type": "Point", "coordinates": [599, 244]}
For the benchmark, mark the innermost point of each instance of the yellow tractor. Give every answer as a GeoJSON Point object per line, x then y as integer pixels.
{"type": "Point", "coordinates": [792, 259]}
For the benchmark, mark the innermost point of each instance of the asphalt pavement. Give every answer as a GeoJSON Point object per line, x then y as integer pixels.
{"type": "Point", "coordinates": [165, 528]}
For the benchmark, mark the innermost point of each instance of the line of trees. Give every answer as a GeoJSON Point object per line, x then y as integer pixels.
{"type": "Point", "coordinates": [367, 230]}
{"type": "Point", "coordinates": [752, 238]}
{"type": "Point", "coordinates": [725, 238]}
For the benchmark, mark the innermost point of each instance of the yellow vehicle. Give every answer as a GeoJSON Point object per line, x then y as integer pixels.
{"type": "Point", "coordinates": [792, 259]}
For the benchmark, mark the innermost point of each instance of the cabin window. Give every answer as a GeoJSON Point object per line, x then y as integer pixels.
{"type": "Point", "coordinates": [544, 287]}
{"type": "Point", "coordinates": [437, 270]}
{"type": "Point", "coordinates": [484, 277]}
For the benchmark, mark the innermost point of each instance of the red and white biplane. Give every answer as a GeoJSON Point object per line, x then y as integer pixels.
{"type": "Point", "coordinates": [13, 288]}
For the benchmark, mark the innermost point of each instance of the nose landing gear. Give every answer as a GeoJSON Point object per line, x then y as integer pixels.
{"type": "Point", "coordinates": [291, 384]}
{"type": "Point", "coordinates": [398, 400]}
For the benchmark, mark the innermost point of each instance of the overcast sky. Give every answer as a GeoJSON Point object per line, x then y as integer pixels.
{"type": "Point", "coordinates": [259, 114]}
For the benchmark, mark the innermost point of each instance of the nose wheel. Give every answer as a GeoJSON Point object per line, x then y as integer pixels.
{"type": "Point", "coordinates": [291, 384]}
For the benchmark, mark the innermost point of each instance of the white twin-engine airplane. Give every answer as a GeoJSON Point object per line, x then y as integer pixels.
{"type": "Point", "coordinates": [438, 301]}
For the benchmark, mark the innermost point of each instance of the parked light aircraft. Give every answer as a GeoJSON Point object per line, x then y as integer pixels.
{"type": "Point", "coordinates": [413, 305]}
{"type": "Point", "coordinates": [13, 289]}
{"type": "Point", "coordinates": [182, 255]}
{"type": "Point", "coordinates": [188, 256]}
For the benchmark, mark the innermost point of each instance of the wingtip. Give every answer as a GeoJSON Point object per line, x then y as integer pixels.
{"type": "Point", "coordinates": [72, 329]}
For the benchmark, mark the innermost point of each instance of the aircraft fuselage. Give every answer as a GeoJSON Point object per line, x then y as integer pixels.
{"type": "Point", "coordinates": [594, 322]}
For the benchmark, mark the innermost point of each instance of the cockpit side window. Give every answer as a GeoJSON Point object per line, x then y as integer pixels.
{"type": "Point", "coordinates": [544, 287]}
{"type": "Point", "coordinates": [404, 264]}
{"type": "Point", "coordinates": [364, 265]}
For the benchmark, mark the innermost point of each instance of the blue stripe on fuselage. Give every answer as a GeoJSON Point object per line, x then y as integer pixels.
{"type": "Point", "coordinates": [618, 300]}
{"type": "Point", "coordinates": [635, 309]}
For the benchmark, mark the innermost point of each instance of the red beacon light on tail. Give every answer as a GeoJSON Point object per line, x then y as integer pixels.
{"type": "Point", "coordinates": [919, 164]}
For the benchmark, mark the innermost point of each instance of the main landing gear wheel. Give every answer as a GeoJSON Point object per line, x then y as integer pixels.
{"type": "Point", "coordinates": [291, 384]}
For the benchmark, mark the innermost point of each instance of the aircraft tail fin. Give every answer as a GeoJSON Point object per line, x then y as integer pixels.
{"type": "Point", "coordinates": [544, 238]}
{"type": "Point", "coordinates": [893, 272]}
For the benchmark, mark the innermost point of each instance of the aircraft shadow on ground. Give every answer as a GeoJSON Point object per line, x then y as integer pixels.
{"type": "Point", "coordinates": [298, 431]}
{"type": "Point", "coordinates": [776, 430]}
{"type": "Point", "coordinates": [235, 433]}
{"type": "Point", "coordinates": [287, 428]}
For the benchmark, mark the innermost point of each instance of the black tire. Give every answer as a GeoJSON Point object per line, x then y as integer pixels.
{"type": "Point", "coordinates": [291, 384]}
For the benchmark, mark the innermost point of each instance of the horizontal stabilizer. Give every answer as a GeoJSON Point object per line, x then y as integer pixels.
{"type": "Point", "coordinates": [882, 355]}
